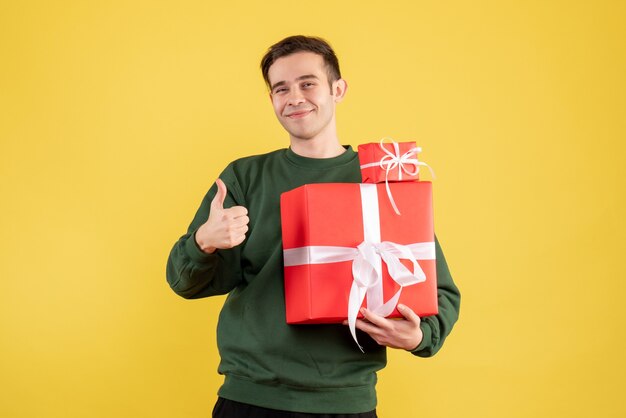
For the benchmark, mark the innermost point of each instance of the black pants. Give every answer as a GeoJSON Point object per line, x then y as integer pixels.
{"type": "Point", "coordinates": [225, 408]}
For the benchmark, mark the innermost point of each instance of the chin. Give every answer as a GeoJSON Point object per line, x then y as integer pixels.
{"type": "Point", "coordinates": [303, 135]}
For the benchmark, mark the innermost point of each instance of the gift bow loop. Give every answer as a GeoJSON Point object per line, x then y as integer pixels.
{"type": "Point", "coordinates": [394, 159]}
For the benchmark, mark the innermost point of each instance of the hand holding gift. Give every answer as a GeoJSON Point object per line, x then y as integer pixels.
{"type": "Point", "coordinates": [225, 228]}
{"type": "Point", "coordinates": [403, 333]}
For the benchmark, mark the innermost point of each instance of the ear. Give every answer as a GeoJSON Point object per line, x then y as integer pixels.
{"type": "Point", "coordinates": [339, 89]}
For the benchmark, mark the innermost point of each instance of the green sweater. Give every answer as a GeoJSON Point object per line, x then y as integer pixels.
{"type": "Point", "coordinates": [304, 368]}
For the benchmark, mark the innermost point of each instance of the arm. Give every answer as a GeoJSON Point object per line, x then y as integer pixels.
{"type": "Point", "coordinates": [422, 336]}
{"type": "Point", "coordinates": [206, 260]}
{"type": "Point", "coordinates": [436, 328]}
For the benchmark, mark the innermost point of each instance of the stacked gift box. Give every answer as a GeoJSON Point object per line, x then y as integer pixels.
{"type": "Point", "coordinates": [348, 245]}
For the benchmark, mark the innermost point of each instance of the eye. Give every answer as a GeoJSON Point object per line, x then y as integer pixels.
{"type": "Point", "coordinates": [280, 90]}
{"type": "Point", "coordinates": [308, 84]}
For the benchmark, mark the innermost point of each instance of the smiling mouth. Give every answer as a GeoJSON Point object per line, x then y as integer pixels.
{"type": "Point", "coordinates": [299, 114]}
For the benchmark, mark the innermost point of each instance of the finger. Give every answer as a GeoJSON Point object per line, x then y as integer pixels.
{"type": "Point", "coordinates": [239, 230]}
{"type": "Point", "coordinates": [218, 200]}
{"type": "Point", "coordinates": [345, 321]}
{"type": "Point", "coordinates": [238, 240]}
{"type": "Point", "coordinates": [371, 329]}
{"type": "Point", "coordinates": [239, 222]}
{"type": "Point", "coordinates": [375, 319]}
{"type": "Point", "coordinates": [233, 222]}
{"type": "Point", "coordinates": [409, 314]}
{"type": "Point", "coordinates": [237, 211]}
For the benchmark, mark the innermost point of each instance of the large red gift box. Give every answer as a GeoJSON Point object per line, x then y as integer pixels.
{"type": "Point", "coordinates": [333, 232]}
{"type": "Point", "coordinates": [393, 161]}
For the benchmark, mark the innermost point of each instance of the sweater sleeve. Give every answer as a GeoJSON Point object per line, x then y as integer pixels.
{"type": "Point", "coordinates": [437, 327]}
{"type": "Point", "coordinates": [192, 273]}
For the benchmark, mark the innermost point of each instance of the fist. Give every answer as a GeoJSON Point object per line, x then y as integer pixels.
{"type": "Point", "coordinates": [225, 228]}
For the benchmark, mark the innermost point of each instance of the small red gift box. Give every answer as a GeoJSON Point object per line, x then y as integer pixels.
{"type": "Point", "coordinates": [344, 247]}
{"type": "Point", "coordinates": [394, 161]}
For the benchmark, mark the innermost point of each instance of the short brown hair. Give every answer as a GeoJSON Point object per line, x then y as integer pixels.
{"type": "Point", "coordinates": [300, 43]}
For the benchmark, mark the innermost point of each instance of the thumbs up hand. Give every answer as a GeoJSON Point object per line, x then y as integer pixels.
{"type": "Point", "coordinates": [225, 228]}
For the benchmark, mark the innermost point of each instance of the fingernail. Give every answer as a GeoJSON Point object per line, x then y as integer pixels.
{"type": "Point", "coordinates": [401, 306]}
{"type": "Point", "coordinates": [362, 310]}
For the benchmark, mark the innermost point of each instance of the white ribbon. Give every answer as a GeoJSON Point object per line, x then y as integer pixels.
{"type": "Point", "coordinates": [367, 260]}
{"type": "Point", "coordinates": [393, 160]}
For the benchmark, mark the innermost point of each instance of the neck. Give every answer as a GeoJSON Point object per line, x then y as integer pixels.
{"type": "Point", "coordinates": [310, 148]}
{"type": "Point", "coordinates": [325, 145]}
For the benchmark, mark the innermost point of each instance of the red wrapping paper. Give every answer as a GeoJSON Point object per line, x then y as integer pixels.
{"type": "Point", "coordinates": [372, 153]}
{"type": "Point", "coordinates": [331, 214]}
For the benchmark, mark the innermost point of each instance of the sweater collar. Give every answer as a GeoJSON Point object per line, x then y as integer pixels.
{"type": "Point", "coordinates": [321, 163]}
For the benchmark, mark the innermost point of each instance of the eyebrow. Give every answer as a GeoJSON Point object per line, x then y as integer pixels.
{"type": "Point", "coordinates": [302, 77]}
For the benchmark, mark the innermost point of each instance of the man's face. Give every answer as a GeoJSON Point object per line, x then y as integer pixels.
{"type": "Point", "coordinates": [302, 99]}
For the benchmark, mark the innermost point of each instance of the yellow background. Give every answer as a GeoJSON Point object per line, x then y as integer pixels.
{"type": "Point", "coordinates": [115, 117]}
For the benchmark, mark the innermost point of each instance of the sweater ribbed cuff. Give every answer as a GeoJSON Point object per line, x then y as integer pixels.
{"type": "Point", "coordinates": [195, 253]}
{"type": "Point", "coordinates": [426, 338]}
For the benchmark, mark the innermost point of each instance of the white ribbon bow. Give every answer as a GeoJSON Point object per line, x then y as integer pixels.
{"type": "Point", "coordinates": [392, 160]}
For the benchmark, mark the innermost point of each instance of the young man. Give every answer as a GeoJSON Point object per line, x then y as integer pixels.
{"type": "Point", "coordinates": [233, 246]}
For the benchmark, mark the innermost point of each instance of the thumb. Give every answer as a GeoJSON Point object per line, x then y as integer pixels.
{"type": "Point", "coordinates": [218, 200]}
{"type": "Point", "coordinates": [408, 314]}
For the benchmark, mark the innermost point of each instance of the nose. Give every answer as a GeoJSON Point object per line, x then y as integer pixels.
{"type": "Point", "coordinates": [295, 97]}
